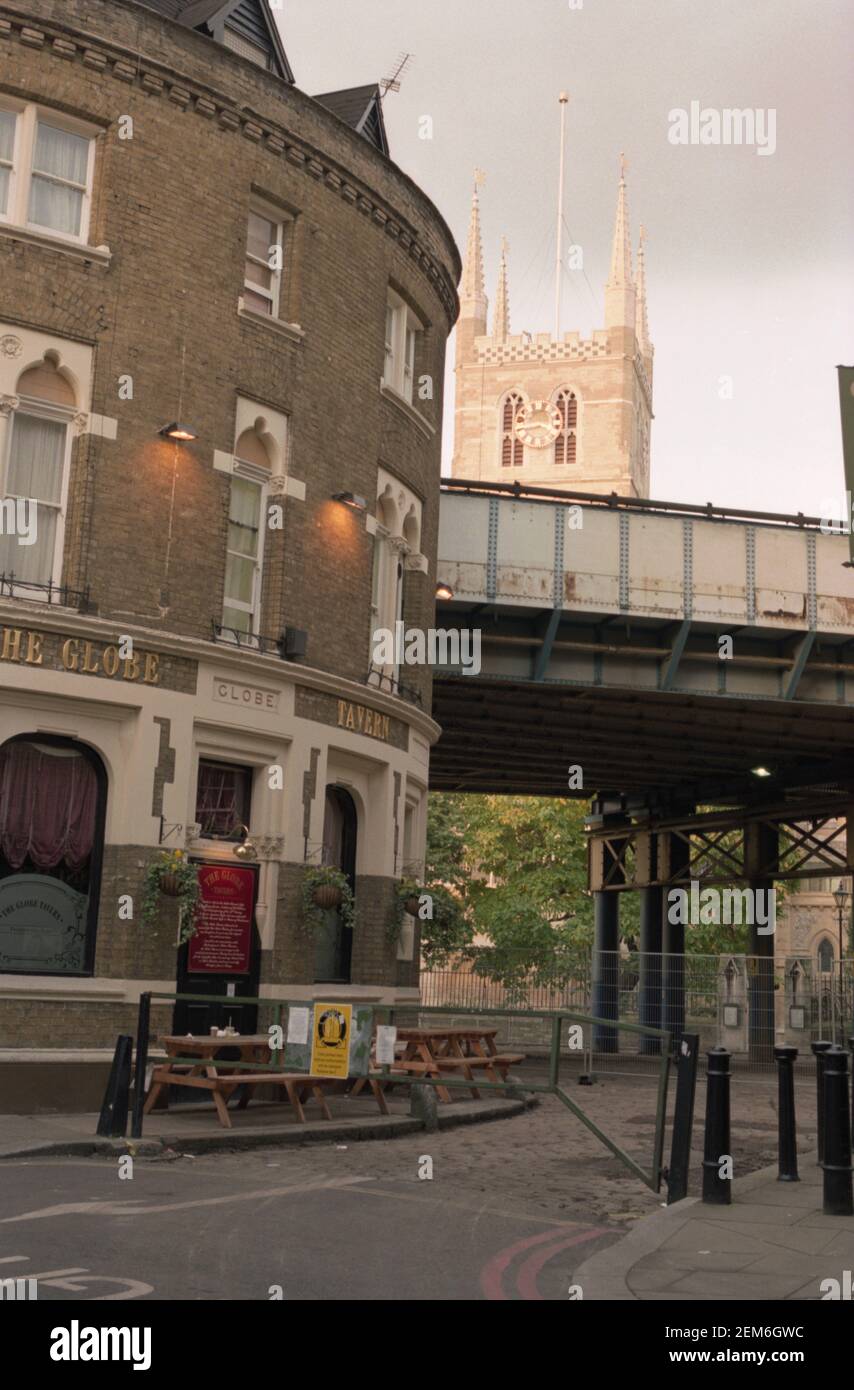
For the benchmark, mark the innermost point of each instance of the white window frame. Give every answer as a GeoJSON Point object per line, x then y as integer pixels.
{"type": "Point", "coordinates": [400, 347]}
{"type": "Point", "coordinates": [250, 473]}
{"type": "Point", "coordinates": [279, 221]}
{"type": "Point", "coordinates": [45, 410]}
{"type": "Point", "coordinates": [28, 115]}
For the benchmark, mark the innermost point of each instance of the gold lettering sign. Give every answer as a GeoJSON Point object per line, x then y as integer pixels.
{"type": "Point", "coordinates": [27, 647]}
{"type": "Point", "coordinates": [363, 720]}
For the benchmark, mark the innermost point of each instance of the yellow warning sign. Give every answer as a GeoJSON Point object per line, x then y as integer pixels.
{"type": "Point", "coordinates": [330, 1040]}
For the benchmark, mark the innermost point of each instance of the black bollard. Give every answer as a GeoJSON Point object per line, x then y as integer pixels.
{"type": "Point", "coordinates": [819, 1049]}
{"type": "Point", "coordinates": [142, 1032]}
{"type": "Point", "coordinates": [113, 1119]}
{"type": "Point", "coordinates": [787, 1144]}
{"type": "Point", "coordinates": [851, 1045]}
{"type": "Point", "coordinates": [717, 1190]}
{"type": "Point", "coordinates": [838, 1198]}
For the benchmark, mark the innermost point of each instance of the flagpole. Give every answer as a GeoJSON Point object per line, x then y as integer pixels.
{"type": "Point", "coordinates": [563, 99]}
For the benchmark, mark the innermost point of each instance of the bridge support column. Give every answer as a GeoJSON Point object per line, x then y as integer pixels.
{"type": "Point", "coordinates": [675, 855]}
{"type": "Point", "coordinates": [761, 847]}
{"type": "Point", "coordinates": [605, 979]}
{"type": "Point", "coordinates": [649, 984]}
{"type": "Point", "coordinates": [606, 969]}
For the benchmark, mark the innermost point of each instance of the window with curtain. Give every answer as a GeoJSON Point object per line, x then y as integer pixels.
{"type": "Point", "coordinates": [8, 122]}
{"type": "Point", "coordinates": [223, 799]}
{"type": "Point", "coordinates": [401, 339]}
{"type": "Point", "coordinates": [262, 278]}
{"type": "Point", "coordinates": [512, 448]}
{"type": "Point", "coordinates": [35, 470]}
{"type": "Point", "coordinates": [46, 169]}
{"type": "Point", "coordinates": [243, 556]}
{"type": "Point", "coordinates": [52, 796]}
{"type": "Point", "coordinates": [565, 444]}
{"type": "Point", "coordinates": [59, 177]}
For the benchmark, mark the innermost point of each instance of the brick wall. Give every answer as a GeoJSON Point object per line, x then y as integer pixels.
{"type": "Point", "coordinates": [147, 518]}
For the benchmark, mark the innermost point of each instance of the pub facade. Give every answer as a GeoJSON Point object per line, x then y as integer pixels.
{"type": "Point", "coordinates": [223, 317]}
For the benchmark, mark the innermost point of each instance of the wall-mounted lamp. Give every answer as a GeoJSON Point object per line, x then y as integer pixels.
{"type": "Point", "coordinates": [351, 499]}
{"type": "Point", "coordinates": [761, 772]}
{"type": "Point", "coordinates": [444, 591]}
{"type": "Point", "coordinates": [183, 433]}
{"type": "Point", "coordinates": [246, 849]}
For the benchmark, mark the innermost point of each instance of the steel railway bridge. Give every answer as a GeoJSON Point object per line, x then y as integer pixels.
{"type": "Point", "coordinates": [696, 663]}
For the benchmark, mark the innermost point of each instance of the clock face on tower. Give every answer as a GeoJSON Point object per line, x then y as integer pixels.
{"type": "Point", "coordinates": [537, 424]}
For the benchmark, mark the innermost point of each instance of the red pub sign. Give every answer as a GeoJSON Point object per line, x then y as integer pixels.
{"type": "Point", "coordinates": [223, 940]}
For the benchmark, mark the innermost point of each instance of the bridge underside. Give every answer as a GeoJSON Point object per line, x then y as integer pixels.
{"type": "Point", "coordinates": [663, 749]}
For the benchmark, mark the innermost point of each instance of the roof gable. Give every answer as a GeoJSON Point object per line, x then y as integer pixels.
{"type": "Point", "coordinates": [360, 108]}
{"type": "Point", "coordinates": [249, 20]}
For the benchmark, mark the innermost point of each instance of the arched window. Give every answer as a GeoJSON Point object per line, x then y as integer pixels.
{"type": "Point", "coordinates": [334, 941]}
{"type": "Point", "coordinates": [512, 448]}
{"type": "Point", "coordinates": [245, 549]}
{"type": "Point", "coordinates": [566, 442]}
{"type": "Point", "coordinates": [397, 546]}
{"type": "Point", "coordinates": [34, 477]}
{"type": "Point", "coordinates": [52, 808]}
{"type": "Point", "coordinates": [825, 956]}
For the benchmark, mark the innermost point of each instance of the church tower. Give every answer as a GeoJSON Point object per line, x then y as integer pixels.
{"type": "Point", "coordinates": [555, 411]}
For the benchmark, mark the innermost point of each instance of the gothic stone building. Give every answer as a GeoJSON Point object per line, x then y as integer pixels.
{"type": "Point", "coordinates": [218, 296]}
{"type": "Point", "coordinates": [549, 411]}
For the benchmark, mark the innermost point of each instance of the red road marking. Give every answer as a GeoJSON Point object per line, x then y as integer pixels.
{"type": "Point", "coordinates": [526, 1279]}
{"type": "Point", "coordinates": [491, 1276]}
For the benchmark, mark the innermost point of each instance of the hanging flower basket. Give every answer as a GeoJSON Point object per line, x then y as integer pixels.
{"type": "Point", "coordinates": [326, 889]}
{"type": "Point", "coordinates": [327, 895]}
{"type": "Point", "coordinates": [172, 875]}
{"type": "Point", "coordinates": [412, 904]}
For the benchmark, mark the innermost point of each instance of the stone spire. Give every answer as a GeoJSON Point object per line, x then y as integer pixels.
{"type": "Point", "coordinates": [501, 326]}
{"type": "Point", "coordinates": [472, 291]}
{"type": "Point", "coordinates": [620, 297]}
{"type": "Point", "coordinates": [641, 321]}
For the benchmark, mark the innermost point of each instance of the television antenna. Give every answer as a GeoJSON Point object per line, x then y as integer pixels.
{"type": "Point", "coordinates": [392, 83]}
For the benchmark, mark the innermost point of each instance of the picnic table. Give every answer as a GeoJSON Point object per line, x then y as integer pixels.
{"type": "Point", "coordinates": [432, 1051]}
{"type": "Point", "coordinates": [205, 1074]}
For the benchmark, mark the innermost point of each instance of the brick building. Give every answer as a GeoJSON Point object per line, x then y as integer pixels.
{"type": "Point", "coordinates": [223, 317]}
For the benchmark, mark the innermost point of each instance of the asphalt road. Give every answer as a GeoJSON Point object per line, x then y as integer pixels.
{"type": "Point", "coordinates": [318, 1223]}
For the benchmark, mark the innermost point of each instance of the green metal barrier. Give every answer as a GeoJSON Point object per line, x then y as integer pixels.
{"type": "Point", "coordinates": [651, 1176]}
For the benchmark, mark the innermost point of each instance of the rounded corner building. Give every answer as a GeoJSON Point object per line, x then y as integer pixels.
{"type": "Point", "coordinates": [223, 321]}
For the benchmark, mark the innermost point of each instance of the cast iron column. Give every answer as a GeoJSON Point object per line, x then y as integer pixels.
{"type": "Point", "coordinates": [649, 964]}
{"type": "Point", "coordinates": [677, 856]}
{"type": "Point", "coordinates": [761, 843]}
{"type": "Point", "coordinates": [606, 954]}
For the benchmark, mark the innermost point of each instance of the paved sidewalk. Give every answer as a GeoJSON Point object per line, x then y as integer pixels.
{"type": "Point", "coordinates": [773, 1242]}
{"type": "Point", "coordinates": [196, 1129]}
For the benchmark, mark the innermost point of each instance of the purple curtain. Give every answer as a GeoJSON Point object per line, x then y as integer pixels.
{"type": "Point", "coordinates": [48, 803]}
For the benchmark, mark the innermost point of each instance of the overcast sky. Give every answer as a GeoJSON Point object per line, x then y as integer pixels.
{"type": "Point", "coordinates": [748, 255]}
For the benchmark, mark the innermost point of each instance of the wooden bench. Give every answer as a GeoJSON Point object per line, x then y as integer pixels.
{"type": "Point", "coordinates": [296, 1085]}
{"type": "Point", "coordinates": [496, 1062]}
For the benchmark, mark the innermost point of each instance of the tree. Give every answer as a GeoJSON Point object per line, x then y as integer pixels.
{"type": "Point", "coordinates": [519, 865]}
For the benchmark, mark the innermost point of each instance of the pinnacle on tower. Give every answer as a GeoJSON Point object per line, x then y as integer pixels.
{"type": "Point", "coordinates": [621, 251]}
{"type": "Point", "coordinates": [501, 326]}
{"type": "Point", "coordinates": [620, 298]}
{"type": "Point", "coordinates": [642, 322]}
{"type": "Point", "coordinates": [472, 290]}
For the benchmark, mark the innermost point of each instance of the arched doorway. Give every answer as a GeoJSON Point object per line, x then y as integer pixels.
{"type": "Point", "coordinates": [334, 941]}
{"type": "Point", "coordinates": [53, 800]}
